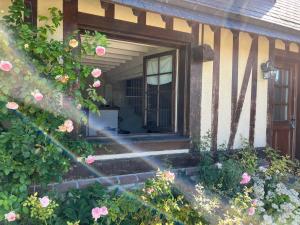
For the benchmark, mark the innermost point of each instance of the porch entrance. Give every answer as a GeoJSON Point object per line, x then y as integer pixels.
{"type": "Point", "coordinates": [284, 108]}
{"type": "Point", "coordinates": [138, 84]}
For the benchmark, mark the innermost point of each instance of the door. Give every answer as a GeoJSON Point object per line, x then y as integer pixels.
{"type": "Point", "coordinates": [159, 77]}
{"type": "Point", "coordinates": [284, 117]}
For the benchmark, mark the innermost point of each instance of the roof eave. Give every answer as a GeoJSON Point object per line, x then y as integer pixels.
{"type": "Point", "coordinates": [186, 10]}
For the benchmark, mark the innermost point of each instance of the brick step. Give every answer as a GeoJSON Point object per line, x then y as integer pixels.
{"type": "Point", "coordinates": [140, 143]}
{"type": "Point", "coordinates": [126, 181]}
{"type": "Point", "coordinates": [122, 166]}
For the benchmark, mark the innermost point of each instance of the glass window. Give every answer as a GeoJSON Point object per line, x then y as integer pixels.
{"type": "Point", "coordinates": [152, 66]}
{"type": "Point", "coordinates": [166, 64]}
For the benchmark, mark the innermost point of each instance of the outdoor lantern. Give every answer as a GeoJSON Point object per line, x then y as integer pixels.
{"type": "Point", "coordinates": [269, 70]}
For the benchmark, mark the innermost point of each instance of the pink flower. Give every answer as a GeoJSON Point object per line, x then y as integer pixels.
{"type": "Point", "coordinates": [150, 190]}
{"type": "Point", "coordinates": [169, 176]}
{"type": "Point", "coordinates": [5, 66]}
{"type": "Point", "coordinates": [96, 73]}
{"type": "Point", "coordinates": [254, 202]}
{"type": "Point", "coordinates": [12, 105]}
{"type": "Point", "coordinates": [11, 216]}
{"type": "Point", "coordinates": [251, 211]}
{"type": "Point", "coordinates": [38, 96]}
{"type": "Point", "coordinates": [97, 84]}
{"type": "Point", "coordinates": [245, 178]}
{"type": "Point", "coordinates": [45, 201]}
{"type": "Point", "coordinates": [66, 127]}
{"type": "Point", "coordinates": [98, 212]}
{"type": "Point", "coordinates": [90, 159]}
{"type": "Point", "coordinates": [100, 51]}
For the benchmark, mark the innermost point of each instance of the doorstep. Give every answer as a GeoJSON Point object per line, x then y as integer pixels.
{"type": "Point", "coordinates": [127, 181]}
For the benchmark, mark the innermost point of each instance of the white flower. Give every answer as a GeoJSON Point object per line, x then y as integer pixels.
{"type": "Point", "coordinates": [219, 165]}
{"type": "Point", "coordinates": [262, 169]}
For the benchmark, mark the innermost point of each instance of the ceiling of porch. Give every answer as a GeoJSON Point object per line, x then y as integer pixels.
{"type": "Point", "coordinates": [123, 58]}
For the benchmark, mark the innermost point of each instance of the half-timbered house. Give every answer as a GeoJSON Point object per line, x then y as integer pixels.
{"type": "Point", "coordinates": [177, 69]}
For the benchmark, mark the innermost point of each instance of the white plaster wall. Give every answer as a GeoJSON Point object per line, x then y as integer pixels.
{"type": "Point", "coordinates": [207, 85]}
{"type": "Point", "coordinates": [244, 122]}
{"type": "Point", "coordinates": [262, 95]}
{"type": "Point", "coordinates": [4, 4]}
{"type": "Point", "coordinates": [225, 86]}
{"type": "Point", "coordinates": [43, 6]}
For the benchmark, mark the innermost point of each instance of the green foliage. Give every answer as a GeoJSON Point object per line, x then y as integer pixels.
{"type": "Point", "coordinates": [77, 205]}
{"type": "Point", "coordinates": [42, 214]}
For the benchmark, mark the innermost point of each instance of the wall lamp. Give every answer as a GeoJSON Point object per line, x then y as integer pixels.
{"type": "Point", "coordinates": [269, 70]}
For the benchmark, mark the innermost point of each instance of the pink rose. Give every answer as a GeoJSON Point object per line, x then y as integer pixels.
{"type": "Point", "coordinates": [97, 84]}
{"type": "Point", "coordinates": [12, 105]}
{"type": "Point", "coordinates": [38, 96]}
{"type": "Point", "coordinates": [45, 201]}
{"type": "Point", "coordinates": [68, 124]}
{"type": "Point", "coordinates": [169, 176]}
{"type": "Point", "coordinates": [90, 159]}
{"type": "Point", "coordinates": [254, 202]}
{"type": "Point", "coordinates": [150, 190]}
{"type": "Point", "coordinates": [11, 216]}
{"type": "Point", "coordinates": [245, 178]}
{"type": "Point", "coordinates": [96, 73]}
{"type": "Point", "coordinates": [98, 212]}
{"type": "Point", "coordinates": [100, 51]}
{"type": "Point", "coordinates": [251, 211]}
{"type": "Point", "coordinates": [5, 66]}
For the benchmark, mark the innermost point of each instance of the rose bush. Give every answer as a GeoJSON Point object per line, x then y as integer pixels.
{"type": "Point", "coordinates": [43, 83]}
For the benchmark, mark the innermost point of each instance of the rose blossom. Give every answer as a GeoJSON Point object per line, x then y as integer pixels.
{"type": "Point", "coordinates": [38, 96]}
{"type": "Point", "coordinates": [73, 43]}
{"type": "Point", "coordinates": [96, 72]}
{"type": "Point", "coordinates": [90, 159]}
{"type": "Point", "coordinates": [66, 127]}
{"type": "Point", "coordinates": [98, 212]}
{"type": "Point", "coordinates": [254, 202]}
{"type": "Point", "coordinates": [150, 190]}
{"type": "Point", "coordinates": [245, 178]}
{"type": "Point", "coordinates": [100, 51]}
{"type": "Point", "coordinates": [169, 176]}
{"type": "Point", "coordinates": [11, 216]}
{"type": "Point", "coordinates": [45, 201]}
{"type": "Point", "coordinates": [5, 66]}
{"type": "Point", "coordinates": [251, 211]}
{"type": "Point", "coordinates": [97, 84]}
{"type": "Point", "coordinates": [12, 105]}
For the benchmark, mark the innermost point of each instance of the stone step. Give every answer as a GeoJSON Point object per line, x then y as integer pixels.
{"type": "Point", "coordinates": [123, 166]}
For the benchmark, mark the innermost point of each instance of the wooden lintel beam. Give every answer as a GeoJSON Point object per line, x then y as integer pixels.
{"type": "Point", "coordinates": [140, 14]}
{"type": "Point", "coordinates": [109, 9]}
{"type": "Point", "coordinates": [169, 21]}
{"type": "Point", "coordinates": [115, 27]}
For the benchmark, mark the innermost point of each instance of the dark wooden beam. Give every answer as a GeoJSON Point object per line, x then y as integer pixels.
{"type": "Point", "coordinates": [253, 92]}
{"type": "Point", "coordinates": [109, 9]}
{"type": "Point", "coordinates": [270, 95]}
{"type": "Point", "coordinates": [235, 70]}
{"type": "Point", "coordinates": [32, 17]}
{"type": "Point", "coordinates": [141, 15]}
{"type": "Point", "coordinates": [297, 147]}
{"type": "Point", "coordinates": [215, 89]}
{"type": "Point", "coordinates": [168, 21]}
{"type": "Point", "coordinates": [240, 103]}
{"type": "Point", "coordinates": [195, 91]}
{"type": "Point", "coordinates": [119, 27]}
{"type": "Point", "coordinates": [70, 11]}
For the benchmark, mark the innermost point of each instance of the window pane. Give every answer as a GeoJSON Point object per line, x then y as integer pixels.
{"type": "Point", "coordinates": [152, 66]}
{"type": "Point", "coordinates": [166, 65]}
{"type": "Point", "coordinates": [165, 79]}
{"type": "Point", "coordinates": [280, 113]}
{"type": "Point", "coordinates": [152, 80]}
